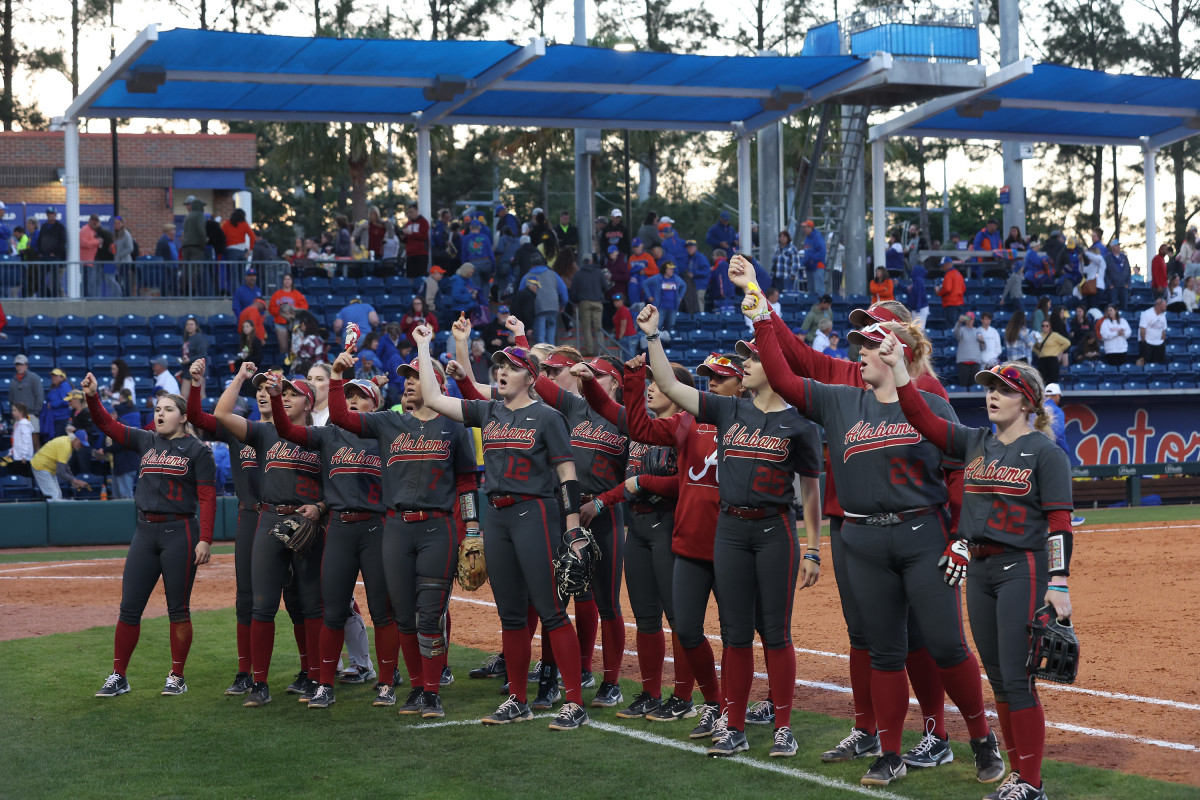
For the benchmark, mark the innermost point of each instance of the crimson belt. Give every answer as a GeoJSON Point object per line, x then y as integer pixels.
{"type": "Point", "coordinates": [892, 517]}
{"type": "Point", "coordinates": [649, 508]}
{"type": "Point", "coordinates": [248, 506]}
{"type": "Point", "coordinates": [985, 550]}
{"type": "Point", "coordinates": [506, 500]}
{"type": "Point", "coordinates": [418, 516]}
{"type": "Point", "coordinates": [283, 510]}
{"type": "Point", "coordinates": [756, 512]}
{"type": "Point", "coordinates": [357, 516]}
{"type": "Point", "coordinates": [162, 517]}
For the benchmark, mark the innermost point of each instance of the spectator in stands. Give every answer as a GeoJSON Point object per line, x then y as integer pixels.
{"type": "Point", "coordinates": [125, 462]}
{"type": "Point", "coordinates": [505, 250]}
{"type": "Point", "coordinates": [52, 238]}
{"type": "Point", "coordinates": [1058, 421]}
{"type": "Point", "coordinates": [566, 265]}
{"type": "Point", "coordinates": [1051, 349]}
{"type": "Point", "coordinates": [618, 270]}
{"type": "Point", "coordinates": [123, 244]}
{"type": "Point", "coordinates": [416, 315]}
{"type": "Point", "coordinates": [1094, 276]}
{"type": "Point", "coordinates": [254, 313]}
{"type": "Point", "coordinates": [1117, 276]}
{"type": "Point", "coordinates": [1152, 334]}
{"type": "Point", "coordinates": [1187, 249]}
{"type": "Point", "coordinates": [988, 237]}
{"type": "Point", "coordinates": [674, 248]}
{"type": "Point", "coordinates": [214, 249]}
{"type": "Point", "coordinates": [587, 293]}
{"type": "Point", "coordinates": [440, 240]}
{"type": "Point", "coordinates": [835, 349]}
{"type": "Point", "coordinates": [695, 270]}
{"type": "Point", "coordinates": [1114, 334]}
{"type": "Point", "coordinates": [785, 264]}
{"type": "Point", "coordinates": [81, 420]}
{"type": "Point", "coordinates": [1079, 325]}
{"type": "Point", "coordinates": [1068, 265]}
{"type": "Point", "coordinates": [432, 286]}
{"type": "Point", "coordinates": [493, 333]}
{"type": "Point", "coordinates": [26, 388]}
{"type": "Point", "coordinates": [361, 314]}
{"type": "Point", "coordinates": [951, 289]}
{"type": "Point", "coordinates": [415, 236]}
{"type": "Point", "coordinates": [195, 343]}
{"type": "Point", "coordinates": [369, 233]}
{"type": "Point", "coordinates": [640, 256]}
{"type": "Point", "coordinates": [50, 464]}
{"type": "Point", "coordinates": [1158, 269]}
{"type": "Point", "coordinates": [250, 348]}
{"type": "Point", "coordinates": [248, 292]}
{"type": "Point", "coordinates": [814, 256]}
{"type": "Point", "coordinates": [163, 379]}
{"type": "Point", "coordinates": [1174, 295]}
{"type": "Point", "coordinates": [918, 300]}
{"type": "Point", "coordinates": [524, 302]}
{"type": "Point", "coordinates": [477, 250]}
{"type": "Point", "coordinates": [541, 234]}
{"type": "Point", "coordinates": [665, 291]}
{"type": "Point", "coordinates": [1039, 269]}
{"type": "Point", "coordinates": [821, 340]}
{"type": "Point", "coordinates": [1098, 239]}
{"type": "Point", "coordinates": [165, 249]}
{"type": "Point", "coordinates": [989, 341]}
{"type": "Point", "coordinates": [552, 297]}
{"type": "Point", "coordinates": [22, 440]}
{"type": "Point", "coordinates": [722, 235]}
{"type": "Point", "coordinates": [460, 297]}
{"type": "Point", "coordinates": [526, 257]}
{"type": "Point", "coordinates": [57, 412]}
{"type": "Point", "coordinates": [883, 288]}
{"type": "Point", "coordinates": [623, 329]}
{"type": "Point", "coordinates": [343, 244]}
{"type": "Point", "coordinates": [648, 233]}
{"type": "Point", "coordinates": [264, 251]}
{"type": "Point", "coordinates": [916, 243]}
{"type": "Point", "coordinates": [1190, 299]}
{"type": "Point", "coordinates": [566, 233]}
{"type": "Point", "coordinates": [614, 232]}
{"type": "Point", "coordinates": [821, 310]}
{"type": "Point", "coordinates": [1018, 338]}
{"type": "Point", "coordinates": [308, 345]}
{"type": "Point", "coordinates": [1014, 239]}
{"type": "Point", "coordinates": [194, 236]}
{"type": "Point", "coordinates": [970, 352]}
{"type": "Point", "coordinates": [391, 250]}
{"type": "Point", "coordinates": [239, 236]}
{"type": "Point", "coordinates": [1089, 348]}
{"type": "Point", "coordinates": [1138, 278]}
{"type": "Point", "coordinates": [1013, 297]}
{"type": "Point", "coordinates": [287, 296]}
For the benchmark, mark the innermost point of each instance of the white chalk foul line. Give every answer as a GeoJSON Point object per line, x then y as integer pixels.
{"type": "Point", "coordinates": [45, 566]}
{"type": "Point", "coordinates": [60, 577]}
{"type": "Point", "coordinates": [1097, 732]}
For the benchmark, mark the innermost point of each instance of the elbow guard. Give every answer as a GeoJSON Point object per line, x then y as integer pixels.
{"type": "Point", "coordinates": [468, 504]}
{"type": "Point", "coordinates": [1058, 552]}
{"type": "Point", "coordinates": [569, 497]}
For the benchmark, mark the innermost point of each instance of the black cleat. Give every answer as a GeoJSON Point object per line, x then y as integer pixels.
{"type": "Point", "coordinates": [989, 766]}
{"type": "Point", "coordinates": [709, 713]}
{"type": "Point", "coordinates": [322, 698]}
{"type": "Point", "coordinates": [607, 696]}
{"type": "Point", "coordinates": [385, 695]}
{"type": "Point", "coordinates": [732, 743]}
{"type": "Point", "coordinates": [242, 684]}
{"type": "Point", "coordinates": [784, 745]}
{"type": "Point", "coordinates": [642, 705]}
{"type": "Point", "coordinates": [586, 681]}
{"type": "Point", "coordinates": [511, 710]}
{"type": "Point", "coordinates": [356, 674]}
{"type": "Point", "coordinates": [260, 695]}
{"type": "Point", "coordinates": [415, 703]}
{"type": "Point", "coordinates": [676, 708]}
{"type": "Point", "coordinates": [493, 667]}
{"type": "Point", "coordinates": [1024, 791]}
{"type": "Point", "coordinates": [174, 686]}
{"type": "Point", "coordinates": [1002, 790]}
{"type": "Point", "coordinates": [931, 751]}
{"type": "Point", "coordinates": [887, 768]}
{"type": "Point", "coordinates": [310, 689]}
{"type": "Point", "coordinates": [859, 744]}
{"type": "Point", "coordinates": [114, 685]}
{"type": "Point", "coordinates": [299, 685]}
{"type": "Point", "coordinates": [447, 676]}
{"type": "Point", "coordinates": [761, 713]}
{"type": "Point", "coordinates": [432, 708]}
{"type": "Point", "coordinates": [548, 691]}
{"type": "Point", "coordinates": [570, 717]}
{"type": "Point", "coordinates": [535, 672]}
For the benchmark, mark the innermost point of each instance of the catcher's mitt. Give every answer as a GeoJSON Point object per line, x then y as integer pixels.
{"type": "Point", "coordinates": [662, 461]}
{"type": "Point", "coordinates": [1053, 648]}
{"type": "Point", "coordinates": [472, 566]}
{"type": "Point", "coordinates": [298, 533]}
{"type": "Point", "coordinates": [573, 570]}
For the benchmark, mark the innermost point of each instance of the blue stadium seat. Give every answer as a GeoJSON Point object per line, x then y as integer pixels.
{"type": "Point", "coordinates": [94, 482]}
{"type": "Point", "coordinates": [949, 352]}
{"type": "Point", "coordinates": [6, 365]}
{"type": "Point", "coordinates": [1136, 384]}
{"type": "Point", "coordinates": [1130, 369]}
{"type": "Point", "coordinates": [371, 284]}
{"type": "Point", "coordinates": [1103, 368]}
{"type": "Point", "coordinates": [1110, 386]}
{"type": "Point", "coordinates": [41, 364]}
{"type": "Point", "coordinates": [313, 283]}
{"type": "Point", "coordinates": [144, 387]}
{"type": "Point", "coordinates": [71, 343]}
{"type": "Point", "coordinates": [161, 322]}
{"type": "Point", "coordinates": [70, 323]}
{"type": "Point", "coordinates": [1177, 349]}
{"type": "Point", "coordinates": [12, 343]}
{"type": "Point", "coordinates": [74, 365]}
{"type": "Point", "coordinates": [100, 363]}
{"type": "Point", "coordinates": [167, 341]}
{"type": "Point", "coordinates": [132, 323]}
{"type": "Point", "coordinates": [1085, 386]}
{"type": "Point", "coordinates": [138, 363]}
{"type": "Point", "coordinates": [103, 323]}
{"type": "Point", "coordinates": [1182, 369]}
{"type": "Point", "coordinates": [858, 300]}
{"type": "Point", "coordinates": [1155, 369]}
{"type": "Point", "coordinates": [218, 321]}
{"type": "Point", "coordinates": [1158, 386]}
{"type": "Point", "coordinates": [17, 489]}
{"type": "Point", "coordinates": [1183, 383]}
{"type": "Point", "coordinates": [15, 324]}
{"type": "Point", "coordinates": [42, 324]}
{"type": "Point", "coordinates": [208, 404]}
{"type": "Point", "coordinates": [136, 343]}
{"type": "Point", "coordinates": [1193, 349]}
{"type": "Point", "coordinates": [1082, 368]}
{"type": "Point", "coordinates": [39, 343]}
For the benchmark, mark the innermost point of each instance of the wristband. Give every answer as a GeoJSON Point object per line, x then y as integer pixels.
{"type": "Point", "coordinates": [814, 549]}
{"type": "Point", "coordinates": [813, 557]}
{"type": "Point", "coordinates": [1054, 588]}
{"type": "Point", "coordinates": [599, 505]}
{"type": "Point", "coordinates": [1058, 552]}
{"type": "Point", "coordinates": [569, 497]}
{"type": "Point", "coordinates": [650, 337]}
{"type": "Point", "coordinates": [468, 506]}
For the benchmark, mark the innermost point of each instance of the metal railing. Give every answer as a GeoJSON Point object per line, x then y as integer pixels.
{"type": "Point", "coordinates": [144, 278]}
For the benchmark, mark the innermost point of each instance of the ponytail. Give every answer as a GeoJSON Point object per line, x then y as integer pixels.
{"type": "Point", "coordinates": [1042, 421]}
{"type": "Point", "coordinates": [912, 334]}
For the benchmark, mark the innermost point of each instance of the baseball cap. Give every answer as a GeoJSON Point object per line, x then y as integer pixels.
{"type": "Point", "coordinates": [616, 212]}
{"type": "Point", "coordinates": [82, 436]}
{"type": "Point", "coordinates": [690, 243]}
{"type": "Point", "coordinates": [612, 248]}
{"type": "Point", "coordinates": [1009, 377]}
{"type": "Point", "coordinates": [58, 372]}
{"type": "Point", "coordinates": [21, 359]}
{"type": "Point", "coordinates": [746, 349]}
{"type": "Point", "coordinates": [667, 220]}
{"type": "Point", "coordinates": [437, 269]}
{"type": "Point", "coordinates": [301, 386]}
{"type": "Point", "coordinates": [517, 357]}
{"type": "Point", "coordinates": [502, 310]}
{"type": "Point", "coordinates": [251, 271]}
{"type": "Point", "coordinates": [501, 208]}
{"type": "Point", "coordinates": [724, 215]}
{"type": "Point", "coordinates": [636, 242]}
{"type": "Point", "coordinates": [75, 394]}
{"type": "Point", "coordinates": [160, 360]}
{"type": "Point", "coordinates": [602, 366]}
{"type": "Point", "coordinates": [862, 317]}
{"type": "Point", "coordinates": [413, 370]}
{"type": "Point", "coordinates": [557, 361]}
{"type": "Point", "coordinates": [1053, 389]}
{"type": "Point", "coordinates": [618, 296]}
{"type": "Point", "coordinates": [718, 366]}
{"type": "Point", "coordinates": [875, 333]}
{"type": "Point", "coordinates": [191, 198]}
{"type": "Point", "coordinates": [366, 388]}
{"type": "Point", "coordinates": [51, 210]}
{"type": "Point", "coordinates": [668, 231]}
{"type": "Point", "coordinates": [807, 222]}
{"type": "Point", "coordinates": [538, 210]}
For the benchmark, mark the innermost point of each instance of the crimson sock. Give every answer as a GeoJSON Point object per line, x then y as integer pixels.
{"type": "Point", "coordinates": [262, 644]}
{"type": "Point", "coordinates": [684, 679]}
{"type": "Point", "coordinates": [312, 630]}
{"type": "Point", "coordinates": [330, 649]}
{"type": "Point", "coordinates": [125, 639]}
{"type": "Point", "coordinates": [966, 691]}
{"type": "Point", "coordinates": [181, 643]}
{"type": "Point", "coordinates": [614, 649]}
{"type": "Point", "coordinates": [738, 671]}
{"type": "Point", "coordinates": [860, 689]}
{"type": "Point", "coordinates": [301, 645]}
{"type": "Point", "coordinates": [889, 692]}
{"type": "Point", "coordinates": [566, 649]}
{"type": "Point", "coordinates": [516, 652]}
{"type": "Point", "coordinates": [547, 656]}
{"type": "Point", "coordinates": [651, 649]}
{"type": "Point", "coordinates": [387, 650]}
{"type": "Point", "coordinates": [704, 669]}
{"type": "Point", "coordinates": [433, 666]}
{"type": "Point", "coordinates": [412, 659]}
{"type": "Point", "coordinates": [927, 686]}
{"type": "Point", "coordinates": [1029, 728]}
{"type": "Point", "coordinates": [587, 623]}
{"type": "Point", "coordinates": [1010, 744]}
{"type": "Point", "coordinates": [724, 678]}
{"type": "Point", "coordinates": [243, 647]}
{"type": "Point", "coordinates": [781, 681]}
{"type": "Point", "coordinates": [354, 606]}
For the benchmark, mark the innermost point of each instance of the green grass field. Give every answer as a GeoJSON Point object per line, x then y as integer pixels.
{"type": "Point", "coordinates": [60, 741]}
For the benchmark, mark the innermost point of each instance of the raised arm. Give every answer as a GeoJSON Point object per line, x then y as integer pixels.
{"type": "Point", "coordinates": [641, 427]}
{"type": "Point", "coordinates": [206, 499]}
{"type": "Point", "coordinates": [790, 387]}
{"type": "Point", "coordinates": [467, 386]}
{"type": "Point", "coordinates": [599, 400]}
{"type": "Point", "coordinates": [296, 434]}
{"type": "Point", "coordinates": [236, 425]}
{"type": "Point", "coordinates": [916, 410]}
{"type": "Point", "coordinates": [103, 420]}
{"type": "Point", "coordinates": [686, 397]}
{"type": "Point", "coordinates": [446, 406]}
{"type": "Point", "coordinates": [195, 412]}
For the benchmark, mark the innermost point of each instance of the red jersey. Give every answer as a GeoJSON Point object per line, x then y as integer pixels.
{"type": "Point", "coordinates": [622, 323]}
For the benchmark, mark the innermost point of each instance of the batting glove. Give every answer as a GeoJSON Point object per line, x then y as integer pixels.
{"type": "Point", "coordinates": [954, 561]}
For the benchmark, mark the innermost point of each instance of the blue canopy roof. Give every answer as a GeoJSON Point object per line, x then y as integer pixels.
{"type": "Point", "coordinates": [200, 74]}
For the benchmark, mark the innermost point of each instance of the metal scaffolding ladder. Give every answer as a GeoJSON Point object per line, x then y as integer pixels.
{"type": "Point", "coordinates": [838, 150]}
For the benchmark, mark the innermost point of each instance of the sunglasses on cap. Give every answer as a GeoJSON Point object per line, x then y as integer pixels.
{"type": "Point", "coordinates": [1011, 377]}
{"type": "Point", "coordinates": [721, 366]}
{"type": "Point", "coordinates": [517, 356]}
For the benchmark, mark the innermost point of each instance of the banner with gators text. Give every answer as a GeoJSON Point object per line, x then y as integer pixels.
{"type": "Point", "coordinates": [1111, 429]}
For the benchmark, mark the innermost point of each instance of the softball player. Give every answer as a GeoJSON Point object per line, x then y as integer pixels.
{"type": "Point", "coordinates": [894, 533]}
{"type": "Point", "coordinates": [243, 461]}
{"type": "Point", "coordinates": [523, 442]}
{"type": "Point", "coordinates": [863, 741]}
{"type": "Point", "coordinates": [353, 533]}
{"type": "Point", "coordinates": [291, 484]}
{"type": "Point", "coordinates": [430, 466]}
{"type": "Point", "coordinates": [649, 561]}
{"type": "Point", "coordinates": [761, 444]}
{"type": "Point", "coordinates": [1017, 516]}
{"type": "Point", "coordinates": [175, 478]}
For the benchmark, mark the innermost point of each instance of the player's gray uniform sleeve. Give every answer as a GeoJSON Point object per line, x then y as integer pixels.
{"type": "Point", "coordinates": [558, 438]}
{"type": "Point", "coordinates": [474, 412]}
{"type": "Point", "coordinates": [1054, 478]}
{"type": "Point", "coordinates": [809, 459]}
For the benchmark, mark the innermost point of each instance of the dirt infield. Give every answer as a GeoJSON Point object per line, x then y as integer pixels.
{"type": "Point", "coordinates": [1136, 603]}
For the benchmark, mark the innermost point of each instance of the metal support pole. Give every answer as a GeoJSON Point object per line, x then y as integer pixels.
{"type": "Point", "coordinates": [585, 219]}
{"type": "Point", "coordinates": [71, 183]}
{"type": "Point", "coordinates": [424, 174]}
{"type": "Point", "coordinates": [1014, 168]}
{"type": "Point", "coordinates": [878, 202]}
{"type": "Point", "coordinates": [628, 207]}
{"type": "Point", "coordinates": [745, 197]}
{"type": "Point", "coordinates": [1148, 170]}
{"type": "Point", "coordinates": [770, 191]}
